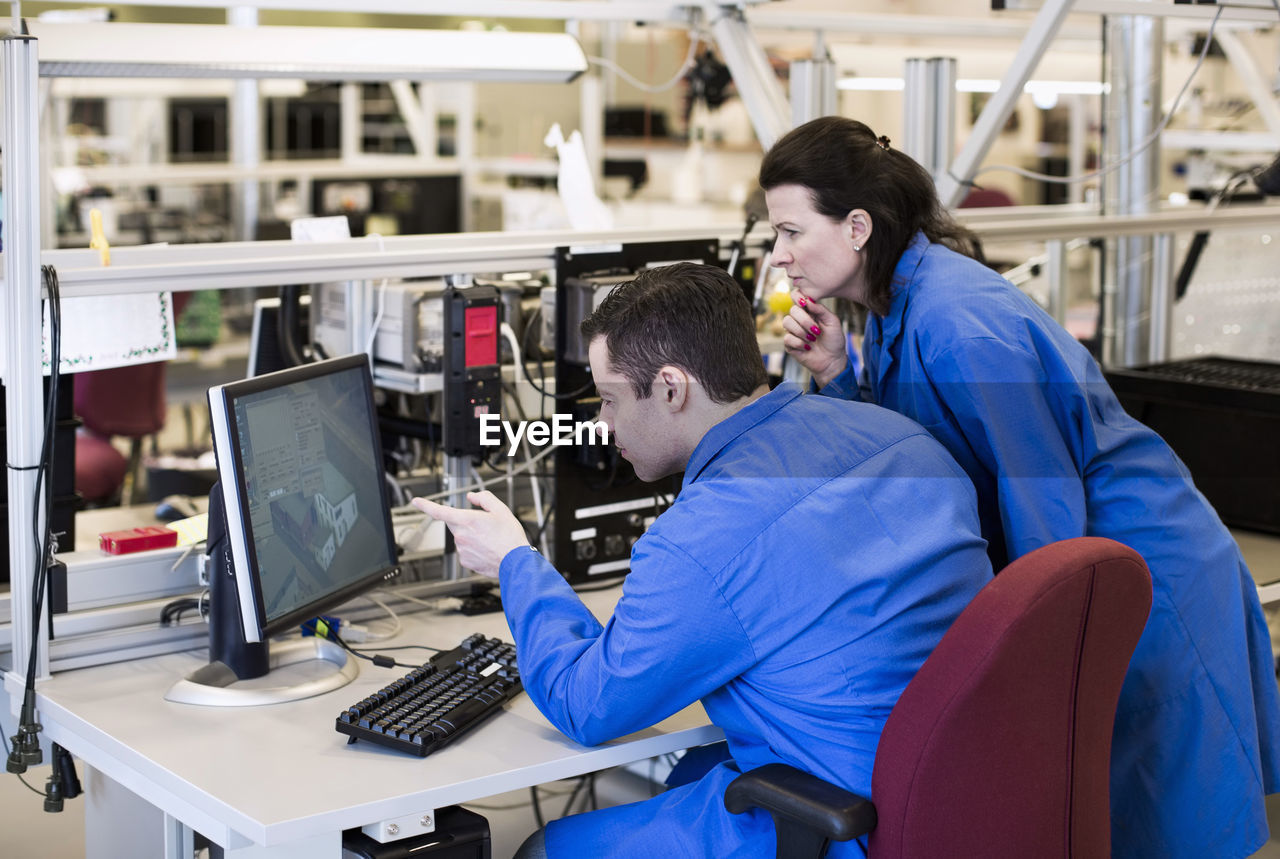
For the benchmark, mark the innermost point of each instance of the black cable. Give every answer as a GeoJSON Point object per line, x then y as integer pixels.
{"type": "Point", "coordinates": [408, 647]}
{"type": "Point", "coordinates": [384, 661]}
{"type": "Point", "coordinates": [524, 364]}
{"type": "Point", "coordinates": [26, 743]}
{"type": "Point", "coordinates": [172, 612]}
{"type": "Point", "coordinates": [1198, 241]}
{"type": "Point", "coordinates": [288, 322]}
{"type": "Point", "coordinates": [546, 518]}
{"type": "Point", "coordinates": [537, 808]}
{"type": "Point", "coordinates": [28, 784]}
{"type": "Point", "coordinates": [577, 789]}
{"type": "Point", "coordinates": [509, 806]}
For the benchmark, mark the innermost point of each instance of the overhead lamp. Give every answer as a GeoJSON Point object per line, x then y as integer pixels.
{"type": "Point", "coordinates": [307, 53]}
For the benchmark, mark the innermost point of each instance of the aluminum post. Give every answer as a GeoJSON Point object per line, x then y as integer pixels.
{"type": "Point", "coordinates": [24, 399]}
{"type": "Point", "coordinates": [929, 113]}
{"type": "Point", "coordinates": [951, 187]}
{"type": "Point", "coordinates": [813, 90]}
{"type": "Point", "coordinates": [1056, 269]}
{"type": "Point", "coordinates": [246, 136]}
{"type": "Point", "coordinates": [456, 479]}
{"type": "Point", "coordinates": [1163, 273]}
{"type": "Point", "coordinates": [1131, 114]}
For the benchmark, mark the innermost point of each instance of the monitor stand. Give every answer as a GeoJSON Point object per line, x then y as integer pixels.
{"type": "Point", "coordinates": [212, 684]}
{"type": "Point", "coordinates": [233, 659]}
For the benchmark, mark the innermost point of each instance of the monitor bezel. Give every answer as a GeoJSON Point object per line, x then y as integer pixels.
{"type": "Point", "coordinates": [256, 626]}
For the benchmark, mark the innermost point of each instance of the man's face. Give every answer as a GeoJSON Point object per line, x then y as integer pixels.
{"type": "Point", "coordinates": [641, 428]}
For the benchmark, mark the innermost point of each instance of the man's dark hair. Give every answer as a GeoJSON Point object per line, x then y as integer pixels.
{"type": "Point", "coordinates": [695, 317]}
{"type": "Point", "coordinates": [845, 167]}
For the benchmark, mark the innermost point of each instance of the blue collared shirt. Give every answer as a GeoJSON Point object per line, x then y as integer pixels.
{"type": "Point", "coordinates": [1026, 412]}
{"type": "Point", "coordinates": [816, 553]}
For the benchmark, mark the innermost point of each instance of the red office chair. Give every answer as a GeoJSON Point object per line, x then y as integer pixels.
{"type": "Point", "coordinates": [122, 401]}
{"type": "Point", "coordinates": [1001, 743]}
{"type": "Point", "coordinates": [985, 198]}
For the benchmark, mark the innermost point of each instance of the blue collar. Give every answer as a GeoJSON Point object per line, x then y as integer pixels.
{"type": "Point", "coordinates": [724, 433]}
{"type": "Point", "coordinates": [890, 325]}
{"type": "Point", "coordinates": [904, 274]}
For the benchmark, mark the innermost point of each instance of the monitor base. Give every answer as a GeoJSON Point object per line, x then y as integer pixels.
{"type": "Point", "coordinates": [211, 684]}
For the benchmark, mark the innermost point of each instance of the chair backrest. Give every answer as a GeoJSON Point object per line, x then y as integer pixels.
{"type": "Point", "coordinates": [125, 401]}
{"type": "Point", "coordinates": [1001, 744]}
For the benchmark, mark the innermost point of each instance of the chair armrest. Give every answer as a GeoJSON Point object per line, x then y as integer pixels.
{"type": "Point", "coordinates": [786, 792]}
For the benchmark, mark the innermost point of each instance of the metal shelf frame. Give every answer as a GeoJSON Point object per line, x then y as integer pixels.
{"type": "Point", "coordinates": [249, 264]}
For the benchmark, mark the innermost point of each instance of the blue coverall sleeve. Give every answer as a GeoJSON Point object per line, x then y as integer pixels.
{"type": "Point", "coordinates": [851, 383]}
{"type": "Point", "coordinates": [1025, 428]}
{"type": "Point", "coordinates": [671, 640]}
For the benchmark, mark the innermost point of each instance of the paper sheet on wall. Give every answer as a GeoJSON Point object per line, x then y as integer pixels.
{"type": "Point", "coordinates": [101, 331]}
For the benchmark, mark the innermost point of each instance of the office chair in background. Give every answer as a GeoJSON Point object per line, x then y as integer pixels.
{"type": "Point", "coordinates": [122, 401]}
{"type": "Point", "coordinates": [125, 401]}
{"type": "Point", "coordinates": [1001, 743]}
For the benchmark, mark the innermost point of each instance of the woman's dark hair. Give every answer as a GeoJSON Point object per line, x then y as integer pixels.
{"type": "Point", "coordinates": [691, 316]}
{"type": "Point", "coordinates": [845, 167]}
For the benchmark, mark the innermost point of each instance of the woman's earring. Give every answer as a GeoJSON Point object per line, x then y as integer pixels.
{"type": "Point", "coordinates": [857, 248]}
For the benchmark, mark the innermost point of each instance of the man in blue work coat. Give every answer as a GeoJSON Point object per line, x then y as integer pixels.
{"type": "Point", "coordinates": [815, 555]}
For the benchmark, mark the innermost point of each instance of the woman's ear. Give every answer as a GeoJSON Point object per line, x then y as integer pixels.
{"type": "Point", "coordinates": [858, 224]}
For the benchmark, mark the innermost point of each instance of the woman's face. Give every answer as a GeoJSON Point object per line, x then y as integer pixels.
{"type": "Point", "coordinates": [816, 251]}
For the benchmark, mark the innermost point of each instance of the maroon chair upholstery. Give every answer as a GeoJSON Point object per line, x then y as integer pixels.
{"type": "Point", "coordinates": [985, 198]}
{"type": "Point", "coordinates": [123, 401]}
{"type": "Point", "coordinates": [1001, 743]}
{"type": "Point", "coordinates": [128, 402]}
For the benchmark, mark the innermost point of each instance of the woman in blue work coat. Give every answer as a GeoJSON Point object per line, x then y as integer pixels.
{"type": "Point", "coordinates": [1027, 413]}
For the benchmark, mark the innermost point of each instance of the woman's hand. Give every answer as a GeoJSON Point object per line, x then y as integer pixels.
{"type": "Point", "coordinates": [814, 337]}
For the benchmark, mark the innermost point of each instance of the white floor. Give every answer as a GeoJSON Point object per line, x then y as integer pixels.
{"type": "Point", "coordinates": [27, 832]}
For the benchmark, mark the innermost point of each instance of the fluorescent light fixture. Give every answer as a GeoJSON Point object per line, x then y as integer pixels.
{"type": "Point", "coordinates": [169, 88]}
{"type": "Point", "coordinates": [871, 84]}
{"type": "Point", "coordinates": [1034, 88]}
{"type": "Point", "coordinates": [306, 53]}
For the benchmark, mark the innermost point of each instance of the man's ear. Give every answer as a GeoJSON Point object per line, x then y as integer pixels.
{"type": "Point", "coordinates": [672, 387]}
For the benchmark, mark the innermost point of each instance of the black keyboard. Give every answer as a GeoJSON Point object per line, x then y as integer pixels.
{"type": "Point", "coordinates": [434, 704]}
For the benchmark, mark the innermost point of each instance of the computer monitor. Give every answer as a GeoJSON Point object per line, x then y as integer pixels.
{"type": "Point", "coordinates": [307, 523]}
{"type": "Point", "coordinates": [266, 354]}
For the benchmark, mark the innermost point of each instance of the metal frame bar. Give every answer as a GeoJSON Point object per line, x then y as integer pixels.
{"type": "Point", "coordinates": [22, 325]}
{"type": "Point", "coordinates": [757, 85]}
{"type": "Point", "coordinates": [581, 10]}
{"type": "Point", "coordinates": [240, 264]}
{"type": "Point", "coordinates": [951, 186]}
{"type": "Point", "coordinates": [1258, 87]}
{"type": "Point", "coordinates": [1203, 11]}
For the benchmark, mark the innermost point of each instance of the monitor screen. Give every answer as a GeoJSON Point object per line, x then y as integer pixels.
{"type": "Point", "coordinates": [300, 465]}
{"type": "Point", "coordinates": [266, 354]}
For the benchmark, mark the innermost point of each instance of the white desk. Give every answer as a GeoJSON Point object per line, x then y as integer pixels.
{"type": "Point", "coordinates": [279, 781]}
